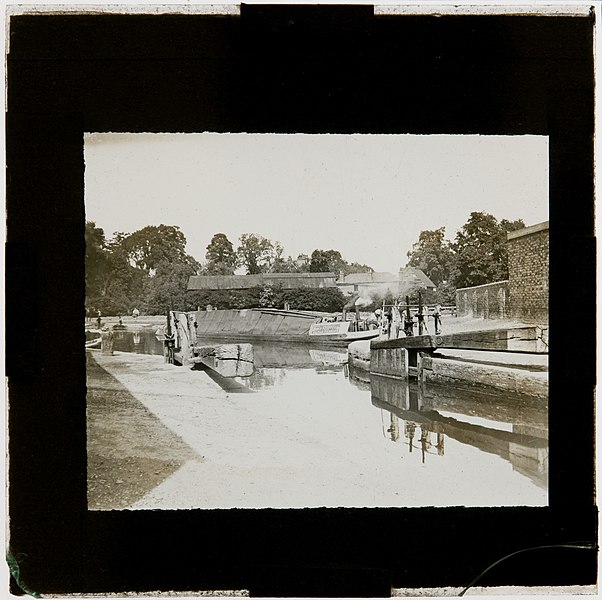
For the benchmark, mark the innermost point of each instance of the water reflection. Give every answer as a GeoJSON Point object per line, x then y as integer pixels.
{"type": "Point", "coordinates": [515, 429]}
{"type": "Point", "coordinates": [137, 341]}
{"type": "Point", "coordinates": [425, 438]}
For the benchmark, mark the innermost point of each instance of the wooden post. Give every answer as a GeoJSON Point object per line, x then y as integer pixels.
{"type": "Point", "coordinates": [409, 327]}
{"type": "Point", "coordinates": [168, 343]}
{"type": "Point", "coordinates": [412, 369]}
{"type": "Point", "coordinates": [420, 317]}
{"type": "Point", "coordinates": [107, 343]}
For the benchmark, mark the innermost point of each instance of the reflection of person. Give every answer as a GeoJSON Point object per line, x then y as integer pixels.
{"type": "Point", "coordinates": [437, 318]}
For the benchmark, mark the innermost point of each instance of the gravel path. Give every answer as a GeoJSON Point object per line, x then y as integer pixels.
{"type": "Point", "coordinates": [130, 451]}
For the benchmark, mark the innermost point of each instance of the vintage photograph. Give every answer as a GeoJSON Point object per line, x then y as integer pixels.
{"type": "Point", "coordinates": [291, 321]}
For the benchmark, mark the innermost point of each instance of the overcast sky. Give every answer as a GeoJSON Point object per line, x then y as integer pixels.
{"type": "Point", "coordinates": [368, 196]}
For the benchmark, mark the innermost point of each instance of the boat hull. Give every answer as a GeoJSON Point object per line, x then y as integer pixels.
{"type": "Point", "coordinates": [93, 342]}
{"type": "Point", "coordinates": [339, 341]}
{"type": "Point", "coordinates": [266, 325]}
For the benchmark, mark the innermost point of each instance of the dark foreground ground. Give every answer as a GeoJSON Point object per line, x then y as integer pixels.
{"type": "Point", "coordinates": [129, 450]}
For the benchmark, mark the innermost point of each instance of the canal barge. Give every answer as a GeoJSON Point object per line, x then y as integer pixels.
{"type": "Point", "coordinates": [93, 338]}
{"type": "Point", "coordinates": [264, 325]}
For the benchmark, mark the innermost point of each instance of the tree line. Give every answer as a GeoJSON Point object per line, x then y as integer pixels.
{"type": "Point", "coordinates": [149, 268]}
{"type": "Point", "coordinates": [257, 254]}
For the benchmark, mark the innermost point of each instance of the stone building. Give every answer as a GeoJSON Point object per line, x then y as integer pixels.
{"type": "Point", "coordinates": [524, 295]}
{"type": "Point", "coordinates": [412, 279]}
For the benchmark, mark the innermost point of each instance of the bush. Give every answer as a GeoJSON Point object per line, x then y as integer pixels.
{"type": "Point", "coordinates": [319, 299]}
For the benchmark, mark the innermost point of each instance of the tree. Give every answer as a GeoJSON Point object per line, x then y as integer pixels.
{"type": "Point", "coordinates": [331, 261]}
{"type": "Point", "coordinates": [267, 297]}
{"type": "Point", "coordinates": [167, 289]}
{"type": "Point", "coordinates": [357, 268]}
{"type": "Point", "coordinates": [112, 283]}
{"type": "Point", "coordinates": [433, 255]}
{"type": "Point", "coordinates": [279, 264]}
{"type": "Point", "coordinates": [327, 261]}
{"type": "Point", "coordinates": [221, 258]}
{"type": "Point", "coordinates": [480, 248]}
{"type": "Point", "coordinates": [286, 266]}
{"type": "Point", "coordinates": [255, 253]}
{"type": "Point", "coordinates": [96, 259]}
{"type": "Point", "coordinates": [151, 245]}
{"type": "Point", "coordinates": [147, 268]}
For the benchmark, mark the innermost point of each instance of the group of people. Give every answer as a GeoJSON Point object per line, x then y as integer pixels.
{"type": "Point", "coordinates": [395, 319]}
{"type": "Point", "coordinates": [99, 322]}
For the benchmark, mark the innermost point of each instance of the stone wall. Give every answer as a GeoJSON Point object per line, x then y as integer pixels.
{"type": "Point", "coordinates": [528, 267]}
{"type": "Point", "coordinates": [489, 301]}
{"type": "Point", "coordinates": [524, 296]}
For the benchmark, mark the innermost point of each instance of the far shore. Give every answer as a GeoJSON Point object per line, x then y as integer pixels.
{"type": "Point", "coordinates": [449, 324]}
{"type": "Point", "coordinates": [141, 322]}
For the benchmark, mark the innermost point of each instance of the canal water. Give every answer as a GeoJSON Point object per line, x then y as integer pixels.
{"type": "Point", "coordinates": [435, 446]}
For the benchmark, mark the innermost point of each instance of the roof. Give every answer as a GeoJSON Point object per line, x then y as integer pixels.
{"type": "Point", "coordinates": [528, 230]}
{"type": "Point", "coordinates": [364, 278]}
{"type": "Point", "coordinates": [415, 276]}
{"type": "Point", "coordinates": [239, 282]}
{"type": "Point", "coordinates": [407, 276]}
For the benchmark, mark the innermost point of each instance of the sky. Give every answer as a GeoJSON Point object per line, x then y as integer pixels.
{"type": "Point", "coordinates": [367, 196]}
